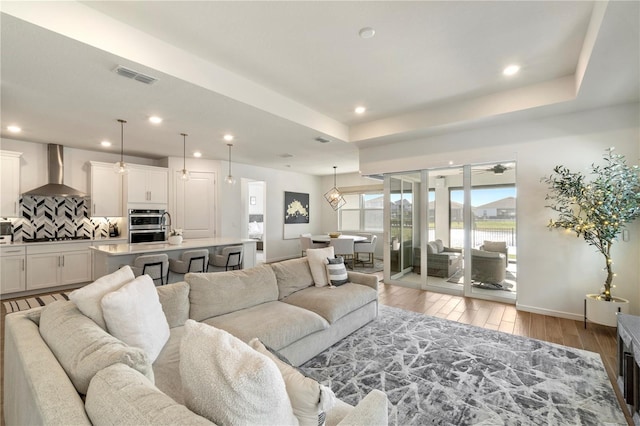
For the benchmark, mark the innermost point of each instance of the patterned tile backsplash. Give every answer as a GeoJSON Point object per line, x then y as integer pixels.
{"type": "Point", "coordinates": [49, 217]}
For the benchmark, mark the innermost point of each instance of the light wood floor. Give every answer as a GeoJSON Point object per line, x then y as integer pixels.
{"type": "Point", "coordinates": [491, 315]}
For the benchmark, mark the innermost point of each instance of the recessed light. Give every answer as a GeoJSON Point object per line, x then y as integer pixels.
{"type": "Point", "coordinates": [155, 119]}
{"type": "Point", "coordinates": [511, 70]}
{"type": "Point", "coordinates": [451, 163]}
{"type": "Point", "coordinates": [366, 32]}
{"type": "Point", "coordinates": [14, 129]}
{"type": "Point", "coordinates": [360, 110]}
{"type": "Point", "coordinates": [105, 143]}
{"type": "Point", "coordinates": [197, 154]}
{"type": "Point", "coordinates": [228, 137]}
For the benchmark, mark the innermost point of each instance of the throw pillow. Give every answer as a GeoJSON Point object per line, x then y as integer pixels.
{"type": "Point", "coordinates": [83, 348]}
{"type": "Point", "coordinates": [310, 399]}
{"type": "Point", "coordinates": [88, 298]}
{"type": "Point", "coordinates": [317, 260]}
{"type": "Point", "coordinates": [336, 271]}
{"type": "Point", "coordinates": [227, 382]}
{"type": "Point", "coordinates": [134, 315]}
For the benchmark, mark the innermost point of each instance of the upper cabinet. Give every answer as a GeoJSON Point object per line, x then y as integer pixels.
{"type": "Point", "coordinates": [9, 183]}
{"type": "Point", "coordinates": [146, 185]}
{"type": "Point", "coordinates": [106, 191]}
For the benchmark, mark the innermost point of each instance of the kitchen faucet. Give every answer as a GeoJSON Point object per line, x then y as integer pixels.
{"type": "Point", "coordinates": [164, 220]}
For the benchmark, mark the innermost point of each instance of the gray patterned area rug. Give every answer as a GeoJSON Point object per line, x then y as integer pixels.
{"type": "Point", "coordinates": [441, 372]}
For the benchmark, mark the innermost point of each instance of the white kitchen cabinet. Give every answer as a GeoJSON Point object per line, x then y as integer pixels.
{"type": "Point", "coordinates": [56, 264]}
{"type": "Point", "coordinates": [9, 183]}
{"type": "Point", "coordinates": [106, 191]}
{"type": "Point", "coordinates": [12, 269]}
{"type": "Point", "coordinates": [147, 185]}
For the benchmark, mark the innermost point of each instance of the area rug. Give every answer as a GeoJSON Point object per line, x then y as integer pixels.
{"type": "Point", "coordinates": [441, 372]}
{"type": "Point", "coordinates": [378, 265]}
{"type": "Point", "coordinates": [33, 302]}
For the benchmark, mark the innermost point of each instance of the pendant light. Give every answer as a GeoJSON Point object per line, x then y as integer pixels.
{"type": "Point", "coordinates": [184, 174]}
{"type": "Point", "coordinates": [120, 167]}
{"type": "Point", "coordinates": [333, 196]}
{"type": "Point", "coordinates": [230, 179]}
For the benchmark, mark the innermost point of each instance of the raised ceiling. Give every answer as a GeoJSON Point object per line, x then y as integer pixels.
{"type": "Point", "coordinates": [279, 74]}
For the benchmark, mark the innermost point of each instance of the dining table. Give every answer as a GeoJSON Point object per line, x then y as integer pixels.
{"type": "Point", "coordinates": [324, 238]}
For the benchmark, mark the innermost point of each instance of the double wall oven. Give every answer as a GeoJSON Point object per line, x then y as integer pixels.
{"type": "Point", "coordinates": [147, 226]}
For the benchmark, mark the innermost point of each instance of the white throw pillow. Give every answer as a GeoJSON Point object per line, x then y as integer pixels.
{"type": "Point", "coordinates": [88, 298]}
{"type": "Point", "coordinates": [227, 382]}
{"type": "Point", "coordinates": [134, 315]}
{"type": "Point", "coordinates": [310, 399]}
{"type": "Point", "coordinates": [317, 263]}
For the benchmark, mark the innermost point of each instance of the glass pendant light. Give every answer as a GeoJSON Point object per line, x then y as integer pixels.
{"type": "Point", "coordinates": [230, 179]}
{"type": "Point", "coordinates": [184, 174]}
{"type": "Point", "coordinates": [120, 167]}
{"type": "Point", "coordinates": [333, 196]}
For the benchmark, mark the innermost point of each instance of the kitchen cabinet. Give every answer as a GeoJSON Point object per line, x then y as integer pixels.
{"type": "Point", "coordinates": [106, 191]}
{"type": "Point", "coordinates": [9, 183]}
{"type": "Point", "coordinates": [12, 269]}
{"type": "Point", "coordinates": [147, 185]}
{"type": "Point", "coordinates": [56, 264]}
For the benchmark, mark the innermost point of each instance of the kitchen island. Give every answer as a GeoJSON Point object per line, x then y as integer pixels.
{"type": "Point", "coordinates": [109, 258]}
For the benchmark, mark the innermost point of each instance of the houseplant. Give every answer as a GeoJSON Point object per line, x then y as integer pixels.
{"type": "Point", "coordinates": [598, 210]}
{"type": "Point", "coordinates": [175, 236]}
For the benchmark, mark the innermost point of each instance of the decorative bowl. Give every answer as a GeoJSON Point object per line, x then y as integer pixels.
{"type": "Point", "coordinates": [335, 234]}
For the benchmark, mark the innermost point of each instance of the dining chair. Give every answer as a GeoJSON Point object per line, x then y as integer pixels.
{"type": "Point", "coordinates": [366, 247]}
{"type": "Point", "coordinates": [307, 243]}
{"type": "Point", "coordinates": [343, 247]}
{"type": "Point", "coordinates": [229, 258]}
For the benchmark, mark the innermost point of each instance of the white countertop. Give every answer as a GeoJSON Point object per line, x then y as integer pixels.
{"type": "Point", "coordinates": [191, 243]}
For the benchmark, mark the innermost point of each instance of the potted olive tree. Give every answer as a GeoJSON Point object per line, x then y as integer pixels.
{"type": "Point", "coordinates": [597, 210]}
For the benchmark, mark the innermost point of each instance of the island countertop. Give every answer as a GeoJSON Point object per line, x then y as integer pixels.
{"type": "Point", "coordinates": [191, 243]}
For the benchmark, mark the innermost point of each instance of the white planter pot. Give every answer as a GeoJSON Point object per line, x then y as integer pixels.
{"type": "Point", "coordinates": [602, 312]}
{"type": "Point", "coordinates": [175, 239]}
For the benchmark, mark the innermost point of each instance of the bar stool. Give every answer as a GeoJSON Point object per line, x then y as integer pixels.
{"type": "Point", "coordinates": [151, 264]}
{"type": "Point", "coordinates": [189, 259]}
{"type": "Point", "coordinates": [230, 258]}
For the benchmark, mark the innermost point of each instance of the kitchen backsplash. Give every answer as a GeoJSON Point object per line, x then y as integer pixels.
{"type": "Point", "coordinates": [49, 217]}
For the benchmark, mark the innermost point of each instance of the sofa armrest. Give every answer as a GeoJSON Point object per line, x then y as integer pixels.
{"type": "Point", "coordinates": [369, 280]}
{"type": "Point", "coordinates": [372, 410]}
{"type": "Point", "coordinates": [452, 250]}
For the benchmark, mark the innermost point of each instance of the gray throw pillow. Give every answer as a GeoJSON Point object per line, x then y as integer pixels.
{"type": "Point", "coordinates": [336, 271]}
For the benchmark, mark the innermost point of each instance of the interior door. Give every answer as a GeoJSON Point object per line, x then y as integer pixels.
{"type": "Point", "coordinates": [195, 205]}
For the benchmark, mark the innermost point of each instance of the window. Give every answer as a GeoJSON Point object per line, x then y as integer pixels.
{"type": "Point", "coordinates": [363, 212]}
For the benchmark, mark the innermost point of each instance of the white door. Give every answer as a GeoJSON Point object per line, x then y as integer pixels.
{"type": "Point", "coordinates": [195, 205]}
{"type": "Point", "coordinates": [137, 186]}
{"type": "Point", "coordinates": [106, 191]}
{"type": "Point", "coordinates": [157, 186]}
{"type": "Point", "coordinates": [76, 267]}
{"type": "Point", "coordinates": [43, 270]}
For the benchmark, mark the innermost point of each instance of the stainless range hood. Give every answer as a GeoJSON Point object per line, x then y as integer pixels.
{"type": "Point", "coordinates": [56, 186]}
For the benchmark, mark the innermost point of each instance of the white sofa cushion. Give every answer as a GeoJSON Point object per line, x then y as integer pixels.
{"type": "Point", "coordinates": [310, 400]}
{"type": "Point", "coordinates": [292, 275]}
{"type": "Point", "coordinates": [88, 298]}
{"type": "Point", "coordinates": [82, 347]}
{"type": "Point", "coordinates": [317, 262]}
{"type": "Point", "coordinates": [227, 382]}
{"type": "Point", "coordinates": [119, 395]}
{"type": "Point", "coordinates": [219, 293]}
{"type": "Point", "coordinates": [133, 314]}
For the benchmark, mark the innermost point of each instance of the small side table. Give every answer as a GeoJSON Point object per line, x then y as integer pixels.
{"type": "Point", "coordinates": [628, 362]}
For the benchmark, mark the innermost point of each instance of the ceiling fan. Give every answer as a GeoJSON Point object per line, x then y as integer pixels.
{"type": "Point", "coordinates": [498, 169]}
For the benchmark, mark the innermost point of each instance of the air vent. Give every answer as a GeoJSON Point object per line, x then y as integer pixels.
{"type": "Point", "coordinates": [286, 155]}
{"type": "Point", "coordinates": [135, 75]}
{"type": "Point", "coordinates": [322, 139]}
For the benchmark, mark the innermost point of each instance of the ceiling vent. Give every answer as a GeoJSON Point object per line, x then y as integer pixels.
{"type": "Point", "coordinates": [322, 139]}
{"type": "Point", "coordinates": [135, 75]}
{"type": "Point", "coordinates": [286, 155]}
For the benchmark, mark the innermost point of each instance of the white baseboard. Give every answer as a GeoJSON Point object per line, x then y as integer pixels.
{"type": "Point", "coordinates": [552, 313]}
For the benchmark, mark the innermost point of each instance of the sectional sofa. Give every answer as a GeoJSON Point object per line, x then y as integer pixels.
{"type": "Point", "coordinates": [62, 367]}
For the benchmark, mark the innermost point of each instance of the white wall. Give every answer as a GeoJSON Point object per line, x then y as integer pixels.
{"type": "Point", "coordinates": [555, 270]}
{"type": "Point", "coordinates": [34, 170]}
{"type": "Point", "coordinates": [256, 189]}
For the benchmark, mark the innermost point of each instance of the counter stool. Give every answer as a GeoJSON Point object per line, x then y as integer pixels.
{"type": "Point", "coordinates": [154, 265]}
{"type": "Point", "coordinates": [190, 261]}
{"type": "Point", "coordinates": [230, 258]}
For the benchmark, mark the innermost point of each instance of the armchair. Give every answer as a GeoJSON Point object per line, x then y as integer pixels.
{"type": "Point", "coordinates": [488, 267]}
{"type": "Point", "coordinates": [442, 261]}
{"type": "Point", "coordinates": [497, 247]}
